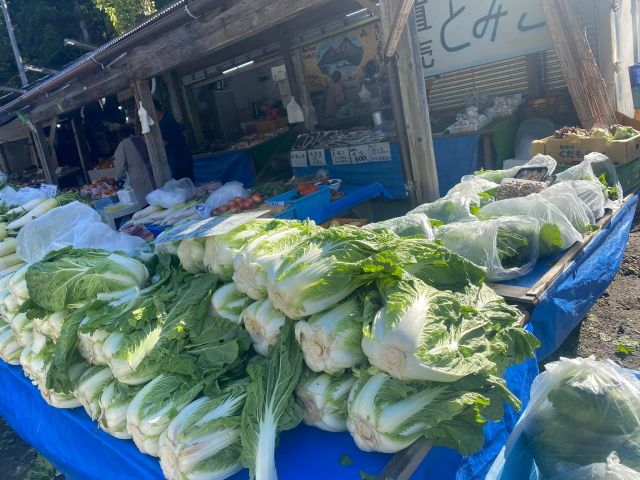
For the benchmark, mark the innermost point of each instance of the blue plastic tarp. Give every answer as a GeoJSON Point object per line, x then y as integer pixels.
{"type": "Point", "coordinates": [354, 196]}
{"type": "Point", "coordinates": [456, 156]}
{"type": "Point", "coordinates": [226, 167]}
{"type": "Point", "coordinates": [77, 448]}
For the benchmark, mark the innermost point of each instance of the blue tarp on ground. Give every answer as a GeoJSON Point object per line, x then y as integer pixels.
{"type": "Point", "coordinates": [226, 167]}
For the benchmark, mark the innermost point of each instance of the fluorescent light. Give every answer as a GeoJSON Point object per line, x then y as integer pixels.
{"type": "Point", "coordinates": [239, 67]}
{"type": "Point", "coordinates": [356, 12]}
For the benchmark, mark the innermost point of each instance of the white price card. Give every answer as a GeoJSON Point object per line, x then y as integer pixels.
{"type": "Point", "coordinates": [380, 152]}
{"type": "Point", "coordinates": [49, 190]}
{"type": "Point", "coordinates": [299, 158]}
{"type": "Point", "coordinates": [359, 154]}
{"type": "Point", "coordinates": [340, 156]}
{"type": "Point", "coordinates": [316, 158]}
{"type": "Point", "coordinates": [202, 210]}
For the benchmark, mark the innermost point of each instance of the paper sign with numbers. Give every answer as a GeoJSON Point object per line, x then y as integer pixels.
{"type": "Point", "coordinates": [359, 154]}
{"type": "Point", "coordinates": [298, 159]}
{"type": "Point", "coordinates": [50, 190]}
{"type": "Point", "coordinates": [380, 152]}
{"type": "Point", "coordinates": [340, 156]}
{"type": "Point", "coordinates": [316, 158]}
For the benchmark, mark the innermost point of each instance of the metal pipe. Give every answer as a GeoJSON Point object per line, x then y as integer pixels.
{"type": "Point", "coordinates": [14, 43]}
{"type": "Point", "coordinates": [169, 18]}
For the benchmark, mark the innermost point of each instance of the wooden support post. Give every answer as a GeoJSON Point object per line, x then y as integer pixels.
{"type": "Point", "coordinates": [3, 161]}
{"type": "Point", "coordinates": [310, 118]}
{"type": "Point", "coordinates": [192, 117]}
{"type": "Point", "coordinates": [40, 143]}
{"type": "Point", "coordinates": [81, 146]}
{"type": "Point", "coordinates": [153, 139]}
{"type": "Point", "coordinates": [413, 97]}
{"type": "Point", "coordinates": [51, 141]}
{"type": "Point", "coordinates": [174, 98]}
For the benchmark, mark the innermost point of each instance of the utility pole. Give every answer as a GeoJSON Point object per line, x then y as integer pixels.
{"type": "Point", "coordinates": [14, 44]}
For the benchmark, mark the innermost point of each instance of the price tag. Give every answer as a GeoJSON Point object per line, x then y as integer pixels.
{"type": "Point", "coordinates": [380, 152]}
{"type": "Point", "coordinates": [316, 158]}
{"type": "Point", "coordinates": [340, 156]}
{"type": "Point", "coordinates": [298, 159]}
{"type": "Point", "coordinates": [49, 190]}
{"type": "Point", "coordinates": [359, 154]}
{"type": "Point", "coordinates": [202, 210]}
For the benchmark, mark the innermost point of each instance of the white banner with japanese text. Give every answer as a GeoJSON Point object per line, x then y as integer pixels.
{"type": "Point", "coordinates": [457, 34]}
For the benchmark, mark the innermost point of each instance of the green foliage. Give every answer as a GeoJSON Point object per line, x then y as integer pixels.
{"type": "Point", "coordinates": [124, 14]}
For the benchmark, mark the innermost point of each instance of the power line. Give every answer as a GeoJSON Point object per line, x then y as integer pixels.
{"type": "Point", "coordinates": [14, 44]}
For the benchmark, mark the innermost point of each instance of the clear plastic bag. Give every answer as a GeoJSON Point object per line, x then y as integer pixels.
{"type": "Point", "coordinates": [596, 167]}
{"type": "Point", "coordinates": [416, 224]}
{"type": "Point", "coordinates": [499, 175]}
{"type": "Point", "coordinates": [173, 193]}
{"type": "Point", "coordinates": [580, 411]}
{"type": "Point", "coordinates": [507, 247]}
{"type": "Point", "coordinates": [556, 231]}
{"type": "Point", "coordinates": [611, 470]}
{"type": "Point", "coordinates": [590, 192]}
{"type": "Point", "coordinates": [20, 197]}
{"type": "Point", "coordinates": [450, 209]}
{"type": "Point", "coordinates": [225, 193]}
{"type": "Point", "coordinates": [75, 225]}
{"type": "Point", "coordinates": [568, 202]}
{"type": "Point", "coordinates": [472, 185]}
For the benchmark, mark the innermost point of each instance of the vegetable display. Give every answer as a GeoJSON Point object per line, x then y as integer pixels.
{"type": "Point", "coordinates": [203, 356]}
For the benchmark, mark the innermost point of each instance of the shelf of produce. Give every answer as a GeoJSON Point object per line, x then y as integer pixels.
{"type": "Point", "coordinates": [78, 449]}
{"type": "Point", "coordinates": [560, 292]}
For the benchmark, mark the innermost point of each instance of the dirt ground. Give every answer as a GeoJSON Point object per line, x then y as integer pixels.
{"type": "Point", "coordinates": [611, 330]}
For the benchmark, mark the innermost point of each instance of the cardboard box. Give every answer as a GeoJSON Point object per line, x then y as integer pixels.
{"type": "Point", "coordinates": [568, 151]}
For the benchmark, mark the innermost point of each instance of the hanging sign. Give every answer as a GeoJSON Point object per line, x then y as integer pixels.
{"type": "Point", "coordinates": [299, 158]}
{"type": "Point", "coordinates": [340, 156]}
{"type": "Point", "coordinates": [457, 34]}
{"type": "Point", "coordinates": [316, 158]}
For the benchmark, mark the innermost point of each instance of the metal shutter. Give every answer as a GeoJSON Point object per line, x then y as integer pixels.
{"type": "Point", "coordinates": [450, 90]}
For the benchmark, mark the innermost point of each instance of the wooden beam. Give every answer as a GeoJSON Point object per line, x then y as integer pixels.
{"type": "Point", "coordinates": [579, 66]}
{"type": "Point", "coordinates": [153, 139]}
{"type": "Point", "coordinates": [44, 156]}
{"type": "Point", "coordinates": [413, 98]}
{"type": "Point", "coordinates": [302, 92]}
{"type": "Point", "coordinates": [406, 462]}
{"type": "Point", "coordinates": [400, 21]}
{"type": "Point", "coordinates": [4, 163]}
{"type": "Point", "coordinates": [534, 75]}
{"type": "Point", "coordinates": [81, 146]}
{"type": "Point", "coordinates": [51, 141]}
{"type": "Point", "coordinates": [214, 31]}
{"type": "Point", "coordinates": [369, 5]}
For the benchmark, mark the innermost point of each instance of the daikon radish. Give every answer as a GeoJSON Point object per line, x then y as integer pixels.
{"type": "Point", "coordinates": [27, 207]}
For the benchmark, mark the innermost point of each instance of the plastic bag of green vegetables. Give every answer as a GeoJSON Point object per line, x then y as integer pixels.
{"type": "Point", "coordinates": [580, 411]}
{"type": "Point", "coordinates": [450, 209]}
{"type": "Point", "coordinates": [498, 175]}
{"type": "Point", "coordinates": [556, 231]}
{"type": "Point", "coordinates": [507, 247]}
{"type": "Point", "coordinates": [590, 192]}
{"type": "Point", "coordinates": [566, 199]}
{"type": "Point", "coordinates": [410, 225]}
{"type": "Point", "coordinates": [596, 167]}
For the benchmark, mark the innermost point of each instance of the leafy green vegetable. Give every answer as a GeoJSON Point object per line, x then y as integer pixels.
{"type": "Point", "coordinates": [324, 399]}
{"type": "Point", "coordinates": [203, 440]}
{"type": "Point", "coordinates": [345, 460]}
{"type": "Point", "coordinates": [229, 303]}
{"type": "Point", "coordinates": [270, 407]}
{"type": "Point", "coordinates": [612, 190]}
{"type": "Point", "coordinates": [550, 240]}
{"type": "Point", "coordinates": [513, 247]}
{"type": "Point", "coordinates": [113, 403]}
{"type": "Point", "coordinates": [263, 323]}
{"type": "Point", "coordinates": [69, 277]}
{"type": "Point", "coordinates": [387, 415]}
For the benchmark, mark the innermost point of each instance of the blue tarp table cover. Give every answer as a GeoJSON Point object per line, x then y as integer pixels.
{"type": "Point", "coordinates": [225, 166]}
{"type": "Point", "coordinates": [354, 196]}
{"type": "Point", "coordinates": [78, 449]}
{"type": "Point", "coordinates": [456, 156]}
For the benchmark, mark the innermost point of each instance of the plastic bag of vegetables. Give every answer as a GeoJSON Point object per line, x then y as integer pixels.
{"type": "Point", "coordinates": [410, 225]}
{"type": "Point", "coordinates": [612, 469]}
{"type": "Point", "coordinates": [565, 198]}
{"type": "Point", "coordinates": [450, 209]}
{"type": "Point", "coordinates": [498, 175]}
{"type": "Point", "coordinates": [590, 192]}
{"type": "Point", "coordinates": [580, 411]}
{"type": "Point", "coordinates": [508, 247]}
{"type": "Point", "coordinates": [596, 167]}
{"type": "Point", "coordinates": [556, 231]}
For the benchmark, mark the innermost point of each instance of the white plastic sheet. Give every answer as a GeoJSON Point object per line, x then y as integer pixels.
{"type": "Point", "coordinates": [18, 198]}
{"type": "Point", "coordinates": [173, 193]}
{"type": "Point", "coordinates": [75, 225]}
{"type": "Point", "coordinates": [225, 193]}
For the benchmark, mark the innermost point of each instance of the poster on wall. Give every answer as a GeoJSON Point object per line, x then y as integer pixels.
{"type": "Point", "coordinates": [457, 34]}
{"type": "Point", "coordinates": [348, 52]}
